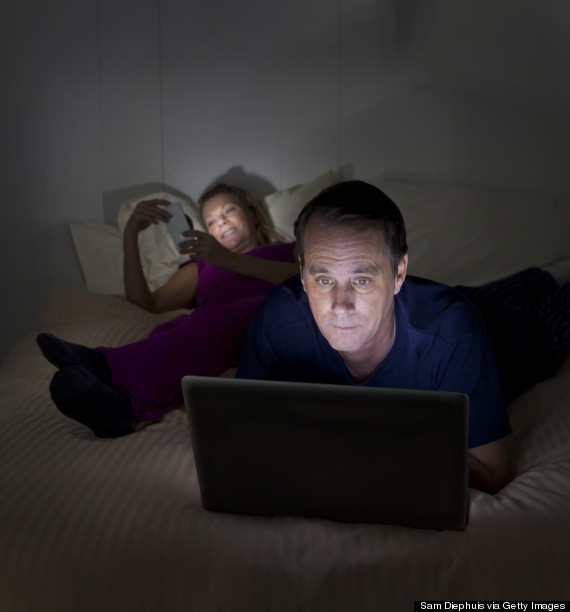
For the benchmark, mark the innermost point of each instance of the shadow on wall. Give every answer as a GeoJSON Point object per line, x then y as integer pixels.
{"type": "Point", "coordinates": [258, 186]}
{"type": "Point", "coordinates": [112, 200]}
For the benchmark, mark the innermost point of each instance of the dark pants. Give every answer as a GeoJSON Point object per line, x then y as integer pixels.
{"type": "Point", "coordinates": [527, 317]}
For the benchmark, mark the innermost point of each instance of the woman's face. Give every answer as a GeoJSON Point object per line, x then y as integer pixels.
{"type": "Point", "coordinates": [232, 225]}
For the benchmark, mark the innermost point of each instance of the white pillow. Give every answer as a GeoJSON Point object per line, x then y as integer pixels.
{"type": "Point", "coordinates": [159, 257]}
{"type": "Point", "coordinates": [99, 249]}
{"type": "Point", "coordinates": [284, 206]}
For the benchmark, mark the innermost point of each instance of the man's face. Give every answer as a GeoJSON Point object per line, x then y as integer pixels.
{"type": "Point", "coordinates": [350, 286]}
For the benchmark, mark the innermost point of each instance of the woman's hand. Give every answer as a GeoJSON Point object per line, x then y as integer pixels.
{"type": "Point", "coordinates": [200, 245]}
{"type": "Point", "coordinates": [178, 291]}
{"type": "Point", "coordinates": [145, 214]}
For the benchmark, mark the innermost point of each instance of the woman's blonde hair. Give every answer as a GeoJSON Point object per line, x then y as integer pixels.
{"type": "Point", "coordinates": [265, 231]}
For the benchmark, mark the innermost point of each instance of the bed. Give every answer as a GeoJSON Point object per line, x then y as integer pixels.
{"type": "Point", "coordinates": [117, 524]}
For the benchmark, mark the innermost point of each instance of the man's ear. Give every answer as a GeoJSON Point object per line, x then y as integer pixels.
{"type": "Point", "coordinates": [401, 274]}
{"type": "Point", "coordinates": [301, 273]}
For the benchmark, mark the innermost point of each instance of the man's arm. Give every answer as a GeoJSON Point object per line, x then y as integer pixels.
{"type": "Point", "coordinates": [471, 369]}
{"type": "Point", "coordinates": [489, 468]}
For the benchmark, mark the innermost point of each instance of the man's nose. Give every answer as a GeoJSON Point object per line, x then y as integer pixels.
{"type": "Point", "coordinates": [342, 300]}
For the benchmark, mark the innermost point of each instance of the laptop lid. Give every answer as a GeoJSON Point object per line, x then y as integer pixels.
{"type": "Point", "coordinates": [346, 453]}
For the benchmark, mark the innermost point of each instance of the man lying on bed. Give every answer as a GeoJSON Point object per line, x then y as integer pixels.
{"type": "Point", "coordinates": [352, 317]}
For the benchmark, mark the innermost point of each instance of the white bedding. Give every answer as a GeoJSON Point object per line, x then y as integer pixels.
{"type": "Point", "coordinates": [89, 524]}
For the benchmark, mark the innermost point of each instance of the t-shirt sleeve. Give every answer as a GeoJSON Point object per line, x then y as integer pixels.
{"type": "Point", "coordinates": [251, 364]}
{"type": "Point", "coordinates": [281, 342]}
{"type": "Point", "coordinates": [258, 358]}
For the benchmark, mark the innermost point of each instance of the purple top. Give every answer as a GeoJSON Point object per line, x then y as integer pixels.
{"type": "Point", "coordinates": [205, 342]}
{"type": "Point", "coordinates": [217, 286]}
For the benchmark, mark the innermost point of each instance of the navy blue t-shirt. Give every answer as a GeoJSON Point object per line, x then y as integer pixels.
{"type": "Point", "coordinates": [441, 344]}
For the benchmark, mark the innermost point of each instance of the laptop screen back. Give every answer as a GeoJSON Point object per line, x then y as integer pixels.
{"type": "Point", "coordinates": [345, 453]}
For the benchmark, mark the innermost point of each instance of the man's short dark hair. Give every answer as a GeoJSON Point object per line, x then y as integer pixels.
{"type": "Point", "coordinates": [359, 205]}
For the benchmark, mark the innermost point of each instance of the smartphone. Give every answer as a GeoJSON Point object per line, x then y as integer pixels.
{"type": "Point", "coordinates": [178, 223]}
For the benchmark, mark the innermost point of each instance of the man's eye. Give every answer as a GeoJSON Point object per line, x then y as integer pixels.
{"type": "Point", "coordinates": [363, 282]}
{"type": "Point", "coordinates": [324, 282]}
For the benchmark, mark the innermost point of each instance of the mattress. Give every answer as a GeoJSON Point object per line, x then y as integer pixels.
{"type": "Point", "coordinates": [117, 524]}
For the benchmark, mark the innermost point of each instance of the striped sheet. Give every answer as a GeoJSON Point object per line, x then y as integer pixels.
{"type": "Point", "coordinates": [117, 525]}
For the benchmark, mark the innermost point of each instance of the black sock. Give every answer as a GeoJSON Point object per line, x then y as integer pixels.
{"type": "Point", "coordinates": [62, 353]}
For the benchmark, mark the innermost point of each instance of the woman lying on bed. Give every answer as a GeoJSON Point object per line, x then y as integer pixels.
{"type": "Point", "coordinates": [234, 264]}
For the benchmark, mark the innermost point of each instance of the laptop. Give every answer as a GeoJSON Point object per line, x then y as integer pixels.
{"type": "Point", "coordinates": [344, 453]}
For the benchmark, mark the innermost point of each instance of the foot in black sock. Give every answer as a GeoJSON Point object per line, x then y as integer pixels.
{"type": "Point", "coordinates": [62, 353]}
{"type": "Point", "coordinates": [80, 395]}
